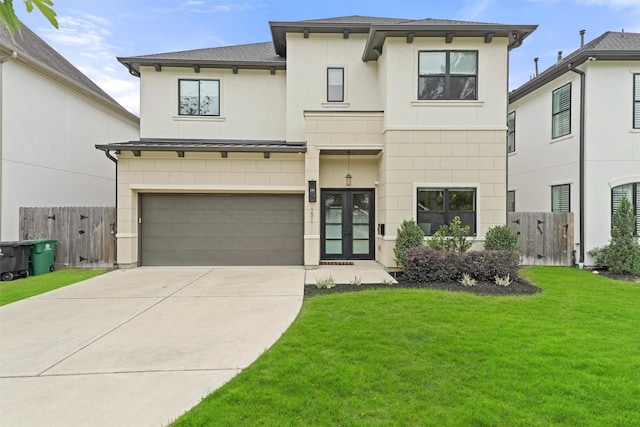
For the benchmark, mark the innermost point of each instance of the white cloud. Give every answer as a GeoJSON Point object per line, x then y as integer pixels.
{"type": "Point", "coordinates": [473, 9]}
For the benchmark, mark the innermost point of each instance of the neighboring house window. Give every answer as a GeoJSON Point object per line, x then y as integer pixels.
{"type": "Point", "coordinates": [511, 132]}
{"type": "Point", "coordinates": [447, 75]}
{"type": "Point", "coordinates": [632, 193]}
{"type": "Point", "coordinates": [335, 84]}
{"type": "Point", "coordinates": [561, 198]}
{"type": "Point", "coordinates": [199, 97]}
{"type": "Point", "coordinates": [511, 201]}
{"type": "Point", "coordinates": [561, 118]}
{"type": "Point", "coordinates": [636, 101]}
{"type": "Point", "coordinates": [438, 206]}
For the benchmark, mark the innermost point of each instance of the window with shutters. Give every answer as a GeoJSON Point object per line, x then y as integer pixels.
{"type": "Point", "coordinates": [636, 101]}
{"type": "Point", "coordinates": [511, 132]}
{"type": "Point", "coordinates": [511, 201]}
{"type": "Point", "coordinates": [335, 84]}
{"type": "Point", "coordinates": [448, 75]}
{"type": "Point", "coordinates": [561, 198]}
{"type": "Point", "coordinates": [632, 193]}
{"type": "Point", "coordinates": [561, 109]}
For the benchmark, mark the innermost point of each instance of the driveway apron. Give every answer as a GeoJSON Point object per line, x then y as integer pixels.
{"type": "Point", "coordinates": [138, 347]}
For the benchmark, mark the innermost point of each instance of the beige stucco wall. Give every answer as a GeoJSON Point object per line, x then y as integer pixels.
{"type": "Point", "coordinates": [252, 105]}
{"type": "Point", "coordinates": [197, 173]}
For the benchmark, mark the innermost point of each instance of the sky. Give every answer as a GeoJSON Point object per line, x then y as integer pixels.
{"type": "Point", "coordinates": [92, 33]}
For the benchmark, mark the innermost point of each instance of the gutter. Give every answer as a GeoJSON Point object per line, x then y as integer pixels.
{"type": "Point", "coordinates": [582, 149]}
{"type": "Point", "coordinates": [114, 230]}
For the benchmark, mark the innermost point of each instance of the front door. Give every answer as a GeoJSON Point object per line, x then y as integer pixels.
{"type": "Point", "coordinates": [347, 224]}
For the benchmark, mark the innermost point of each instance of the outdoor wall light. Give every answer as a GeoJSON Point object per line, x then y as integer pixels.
{"type": "Point", "coordinates": [348, 178]}
{"type": "Point", "coordinates": [312, 191]}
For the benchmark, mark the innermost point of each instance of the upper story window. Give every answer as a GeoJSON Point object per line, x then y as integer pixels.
{"type": "Point", "coordinates": [449, 74]}
{"type": "Point", "coordinates": [561, 198]}
{"type": "Point", "coordinates": [199, 97]}
{"type": "Point", "coordinates": [335, 84]}
{"type": "Point", "coordinates": [632, 193]}
{"type": "Point", "coordinates": [438, 206]}
{"type": "Point", "coordinates": [636, 101]}
{"type": "Point", "coordinates": [561, 112]}
{"type": "Point", "coordinates": [511, 132]}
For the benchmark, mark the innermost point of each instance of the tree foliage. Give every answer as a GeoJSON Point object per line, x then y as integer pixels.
{"type": "Point", "coordinates": [501, 238]}
{"type": "Point", "coordinates": [451, 237]}
{"type": "Point", "coordinates": [10, 20]}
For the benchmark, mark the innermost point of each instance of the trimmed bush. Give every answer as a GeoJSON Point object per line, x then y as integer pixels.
{"type": "Point", "coordinates": [408, 236]}
{"type": "Point", "coordinates": [501, 238]}
{"type": "Point", "coordinates": [430, 265]}
{"type": "Point", "coordinates": [451, 237]}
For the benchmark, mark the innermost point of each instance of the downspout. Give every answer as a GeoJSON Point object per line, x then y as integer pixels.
{"type": "Point", "coordinates": [582, 166]}
{"type": "Point", "coordinates": [114, 231]}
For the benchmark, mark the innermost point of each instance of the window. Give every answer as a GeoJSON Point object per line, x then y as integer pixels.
{"type": "Point", "coordinates": [438, 206]}
{"type": "Point", "coordinates": [511, 132]}
{"type": "Point", "coordinates": [636, 101]}
{"type": "Point", "coordinates": [199, 97]}
{"type": "Point", "coordinates": [561, 118]}
{"type": "Point", "coordinates": [511, 201]}
{"type": "Point", "coordinates": [335, 84]}
{"type": "Point", "coordinates": [561, 198]}
{"type": "Point", "coordinates": [447, 75]}
{"type": "Point", "coordinates": [632, 193]}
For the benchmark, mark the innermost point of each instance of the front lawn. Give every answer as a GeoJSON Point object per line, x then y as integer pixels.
{"type": "Point", "coordinates": [567, 356]}
{"type": "Point", "coordinates": [18, 289]}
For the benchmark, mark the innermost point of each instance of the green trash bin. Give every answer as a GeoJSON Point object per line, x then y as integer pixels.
{"type": "Point", "coordinates": [43, 256]}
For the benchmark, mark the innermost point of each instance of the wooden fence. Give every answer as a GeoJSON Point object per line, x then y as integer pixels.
{"type": "Point", "coordinates": [545, 238]}
{"type": "Point", "coordinates": [85, 235]}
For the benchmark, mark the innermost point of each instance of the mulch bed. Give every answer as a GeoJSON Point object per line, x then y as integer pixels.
{"type": "Point", "coordinates": [517, 287]}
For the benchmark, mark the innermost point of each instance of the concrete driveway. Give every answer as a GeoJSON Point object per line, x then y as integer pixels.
{"type": "Point", "coordinates": [138, 347]}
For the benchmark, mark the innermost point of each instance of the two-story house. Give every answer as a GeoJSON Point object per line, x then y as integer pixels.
{"type": "Point", "coordinates": [574, 138]}
{"type": "Point", "coordinates": [315, 146]}
{"type": "Point", "coordinates": [51, 116]}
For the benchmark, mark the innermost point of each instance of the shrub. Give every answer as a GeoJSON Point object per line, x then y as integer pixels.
{"type": "Point", "coordinates": [467, 280]}
{"type": "Point", "coordinates": [452, 237]}
{"type": "Point", "coordinates": [501, 238]}
{"type": "Point", "coordinates": [430, 265]}
{"type": "Point", "coordinates": [325, 282]}
{"type": "Point", "coordinates": [408, 236]}
{"type": "Point", "coordinates": [502, 281]}
{"type": "Point", "coordinates": [622, 255]}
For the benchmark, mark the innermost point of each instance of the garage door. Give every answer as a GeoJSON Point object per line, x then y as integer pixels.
{"type": "Point", "coordinates": [221, 229]}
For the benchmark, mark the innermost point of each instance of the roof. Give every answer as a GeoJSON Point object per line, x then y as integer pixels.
{"type": "Point", "coordinates": [205, 145]}
{"type": "Point", "coordinates": [610, 46]}
{"type": "Point", "coordinates": [272, 55]}
{"type": "Point", "coordinates": [32, 47]}
{"type": "Point", "coordinates": [255, 55]}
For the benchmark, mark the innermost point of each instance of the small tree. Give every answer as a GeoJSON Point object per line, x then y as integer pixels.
{"type": "Point", "coordinates": [623, 254]}
{"type": "Point", "coordinates": [501, 238]}
{"type": "Point", "coordinates": [452, 237]}
{"type": "Point", "coordinates": [408, 236]}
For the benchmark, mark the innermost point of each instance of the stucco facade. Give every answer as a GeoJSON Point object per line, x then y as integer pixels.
{"type": "Point", "coordinates": [611, 144]}
{"type": "Point", "coordinates": [364, 157]}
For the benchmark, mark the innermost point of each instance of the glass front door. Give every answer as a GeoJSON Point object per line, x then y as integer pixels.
{"type": "Point", "coordinates": [347, 224]}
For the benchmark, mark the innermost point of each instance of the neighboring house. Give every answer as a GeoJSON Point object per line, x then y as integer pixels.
{"type": "Point", "coordinates": [574, 138]}
{"type": "Point", "coordinates": [51, 116]}
{"type": "Point", "coordinates": [317, 145]}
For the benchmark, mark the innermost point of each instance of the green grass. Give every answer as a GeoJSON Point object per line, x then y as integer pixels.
{"type": "Point", "coordinates": [565, 357]}
{"type": "Point", "coordinates": [18, 289]}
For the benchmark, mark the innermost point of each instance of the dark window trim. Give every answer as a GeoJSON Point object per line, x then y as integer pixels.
{"type": "Point", "coordinates": [511, 131]}
{"type": "Point", "coordinates": [569, 202]}
{"type": "Point", "coordinates": [199, 80]}
{"type": "Point", "coordinates": [561, 111]}
{"type": "Point", "coordinates": [635, 203]}
{"type": "Point", "coordinates": [342, 86]}
{"type": "Point", "coordinates": [447, 75]}
{"type": "Point", "coordinates": [636, 101]}
{"type": "Point", "coordinates": [447, 212]}
{"type": "Point", "coordinates": [514, 201]}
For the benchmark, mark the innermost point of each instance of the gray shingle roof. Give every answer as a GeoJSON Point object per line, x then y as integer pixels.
{"type": "Point", "coordinates": [258, 52]}
{"type": "Point", "coordinates": [609, 46]}
{"type": "Point", "coordinates": [33, 46]}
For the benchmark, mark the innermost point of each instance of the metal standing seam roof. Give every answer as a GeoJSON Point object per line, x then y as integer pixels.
{"type": "Point", "coordinates": [31, 45]}
{"type": "Point", "coordinates": [608, 46]}
{"type": "Point", "coordinates": [206, 145]}
{"type": "Point", "coordinates": [272, 55]}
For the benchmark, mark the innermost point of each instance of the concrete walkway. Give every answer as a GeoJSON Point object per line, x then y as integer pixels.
{"type": "Point", "coordinates": [138, 347]}
{"type": "Point", "coordinates": [367, 272]}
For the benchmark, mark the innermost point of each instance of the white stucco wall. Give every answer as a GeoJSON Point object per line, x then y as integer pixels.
{"type": "Point", "coordinates": [49, 132]}
{"type": "Point", "coordinates": [252, 105]}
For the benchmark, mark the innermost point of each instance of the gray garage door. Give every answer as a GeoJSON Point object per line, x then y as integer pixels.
{"type": "Point", "coordinates": [221, 229]}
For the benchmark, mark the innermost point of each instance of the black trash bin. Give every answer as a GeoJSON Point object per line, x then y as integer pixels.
{"type": "Point", "coordinates": [14, 260]}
